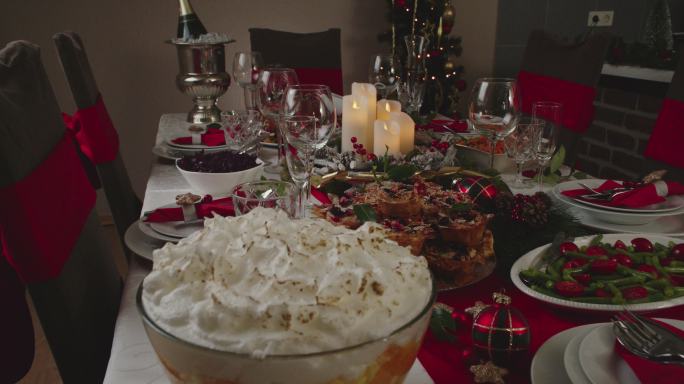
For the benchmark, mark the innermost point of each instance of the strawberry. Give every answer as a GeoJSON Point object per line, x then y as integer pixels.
{"type": "Point", "coordinates": [569, 288]}
{"type": "Point", "coordinates": [648, 269]}
{"type": "Point", "coordinates": [678, 251]}
{"type": "Point", "coordinates": [634, 293]}
{"type": "Point", "coordinates": [595, 250]}
{"type": "Point", "coordinates": [603, 267]}
{"type": "Point", "coordinates": [574, 263]}
{"type": "Point", "coordinates": [568, 246]}
{"type": "Point", "coordinates": [582, 278]}
{"type": "Point", "coordinates": [642, 245]}
{"type": "Point", "coordinates": [600, 292]}
{"type": "Point", "coordinates": [619, 245]}
{"type": "Point", "coordinates": [623, 259]}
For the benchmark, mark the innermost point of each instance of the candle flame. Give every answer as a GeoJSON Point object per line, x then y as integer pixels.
{"type": "Point", "coordinates": [355, 105]}
{"type": "Point", "coordinates": [384, 125]}
{"type": "Point", "coordinates": [387, 107]}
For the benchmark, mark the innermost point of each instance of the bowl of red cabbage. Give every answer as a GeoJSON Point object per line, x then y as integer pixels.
{"type": "Point", "coordinates": [217, 173]}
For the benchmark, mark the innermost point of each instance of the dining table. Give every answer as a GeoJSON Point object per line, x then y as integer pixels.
{"type": "Point", "coordinates": [133, 359]}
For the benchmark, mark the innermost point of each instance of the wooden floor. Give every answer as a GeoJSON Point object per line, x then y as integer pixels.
{"type": "Point", "coordinates": [44, 370]}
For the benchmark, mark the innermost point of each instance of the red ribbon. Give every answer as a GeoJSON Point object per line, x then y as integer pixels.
{"type": "Point", "coordinates": [667, 137]}
{"type": "Point", "coordinates": [577, 99]}
{"type": "Point", "coordinates": [94, 132]}
{"type": "Point", "coordinates": [332, 77]}
{"type": "Point", "coordinates": [44, 213]}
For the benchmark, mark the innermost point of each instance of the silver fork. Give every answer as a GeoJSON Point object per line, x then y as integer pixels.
{"type": "Point", "coordinates": [648, 340]}
{"type": "Point", "coordinates": [605, 195]}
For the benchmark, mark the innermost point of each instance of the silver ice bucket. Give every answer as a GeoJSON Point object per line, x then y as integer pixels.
{"type": "Point", "coordinates": [202, 76]}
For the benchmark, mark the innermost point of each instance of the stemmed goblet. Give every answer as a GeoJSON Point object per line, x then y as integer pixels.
{"type": "Point", "coordinates": [384, 73]}
{"type": "Point", "coordinates": [271, 86]}
{"type": "Point", "coordinates": [309, 120]}
{"type": "Point", "coordinates": [520, 147]}
{"type": "Point", "coordinates": [548, 115]}
{"type": "Point", "coordinates": [246, 67]}
{"type": "Point", "coordinates": [493, 109]}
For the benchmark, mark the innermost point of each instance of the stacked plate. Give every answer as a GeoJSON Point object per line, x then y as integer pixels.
{"type": "Point", "coordinates": [665, 218]}
{"type": "Point", "coordinates": [172, 151]}
{"type": "Point", "coordinates": [584, 355]}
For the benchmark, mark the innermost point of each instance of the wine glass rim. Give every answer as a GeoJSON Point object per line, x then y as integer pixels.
{"type": "Point", "coordinates": [309, 86]}
{"type": "Point", "coordinates": [277, 69]}
{"type": "Point", "coordinates": [547, 104]}
{"type": "Point", "coordinates": [497, 79]}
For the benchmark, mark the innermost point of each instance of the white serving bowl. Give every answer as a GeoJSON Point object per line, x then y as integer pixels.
{"type": "Point", "coordinates": [220, 184]}
{"type": "Point", "coordinates": [502, 162]}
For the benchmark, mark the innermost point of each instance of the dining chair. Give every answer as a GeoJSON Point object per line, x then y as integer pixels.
{"type": "Point", "coordinates": [49, 232]}
{"type": "Point", "coordinates": [555, 70]}
{"type": "Point", "coordinates": [123, 202]}
{"type": "Point", "coordinates": [665, 143]}
{"type": "Point", "coordinates": [316, 57]}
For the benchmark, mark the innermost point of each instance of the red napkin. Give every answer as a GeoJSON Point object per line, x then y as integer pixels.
{"type": "Point", "coordinates": [636, 198]}
{"type": "Point", "coordinates": [649, 371]}
{"type": "Point", "coordinates": [211, 138]}
{"type": "Point", "coordinates": [320, 196]}
{"type": "Point", "coordinates": [222, 207]}
{"type": "Point", "coordinates": [442, 125]}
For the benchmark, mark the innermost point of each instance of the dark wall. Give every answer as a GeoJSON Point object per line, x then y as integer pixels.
{"type": "Point", "coordinates": [567, 18]}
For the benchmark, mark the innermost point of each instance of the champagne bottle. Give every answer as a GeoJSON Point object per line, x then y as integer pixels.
{"type": "Point", "coordinates": [189, 25]}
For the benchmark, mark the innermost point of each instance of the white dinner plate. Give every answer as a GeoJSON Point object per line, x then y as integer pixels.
{"type": "Point", "coordinates": [194, 147]}
{"type": "Point", "coordinates": [141, 244]}
{"type": "Point", "coordinates": [571, 361]}
{"type": "Point", "coordinates": [176, 229]}
{"type": "Point", "coordinates": [547, 364]}
{"type": "Point", "coordinates": [614, 217]}
{"type": "Point", "coordinates": [529, 259]}
{"type": "Point", "coordinates": [600, 362]}
{"type": "Point", "coordinates": [147, 230]}
{"type": "Point", "coordinates": [667, 226]}
{"type": "Point", "coordinates": [671, 203]}
{"type": "Point", "coordinates": [170, 153]}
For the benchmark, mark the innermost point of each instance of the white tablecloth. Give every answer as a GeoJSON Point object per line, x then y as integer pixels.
{"type": "Point", "coordinates": [132, 358]}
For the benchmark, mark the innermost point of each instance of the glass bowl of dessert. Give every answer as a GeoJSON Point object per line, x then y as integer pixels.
{"type": "Point", "coordinates": [263, 298]}
{"type": "Point", "coordinates": [265, 193]}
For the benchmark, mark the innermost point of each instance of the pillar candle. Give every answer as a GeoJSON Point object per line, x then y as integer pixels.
{"type": "Point", "coordinates": [386, 133]}
{"type": "Point", "coordinates": [368, 91]}
{"type": "Point", "coordinates": [407, 130]}
{"type": "Point", "coordinates": [354, 117]}
{"type": "Point", "coordinates": [387, 106]}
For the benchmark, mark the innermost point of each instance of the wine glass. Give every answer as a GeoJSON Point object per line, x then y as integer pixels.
{"type": "Point", "coordinates": [493, 109]}
{"type": "Point", "coordinates": [411, 91]}
{"type": "Point", "coordinates": [271, 86]}
{"type": "Point", "coordinates": [299, 155]}
{"type": "Point", "coordinates": [548, 115]}
{"type": "Point", "coordinates": [384, 73]}
{"type": "Point", "coordinates": [246, 67]}
{"type": "Point", "coordinates": [309, 119]}
{"type": "Point", "coordinates": [520, 147]}
{"type": "Point", "coordinates": [243, 130]}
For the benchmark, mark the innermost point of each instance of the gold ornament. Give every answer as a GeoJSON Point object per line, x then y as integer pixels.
{"type": "Point", "coordinates": [476, 308]}
{"type": "Point", "coordinates": [448, 17]}
{"type": "Point", "coordinates": [449, 66]}
{"type": "Point", "coordinates": [488, 373]}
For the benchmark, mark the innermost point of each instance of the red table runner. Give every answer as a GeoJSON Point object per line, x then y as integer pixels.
{"type": "Point", "coordinates": [446, 363]}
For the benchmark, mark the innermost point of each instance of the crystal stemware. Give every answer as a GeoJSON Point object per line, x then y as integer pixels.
{"type": "Point", "coordinates": [271, 86]}
{"type": "Point", "coordinates": [548, 115]}
{"type": "Point", "coordinates": [520, 147]}
{"type": "Point", "coordinates": [299, 153]}
{"type": "Point", "coordinates": [384, 73]}
{"type": "Point", "coordinates": [266, 193]}
{"type": "Point", "coordinates": [246, 67]}
{"type": "Point", "coordinates": [493, 109]}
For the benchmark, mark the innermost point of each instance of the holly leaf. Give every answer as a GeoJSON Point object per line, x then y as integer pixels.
{"type": "Point", "coordinates": [460, 207]}
{"type": "Point", "coordinates": [336, 187]}
{"type": "Point", "coordinates": [442, 325]}
{"type": "Point", "coordinates": [401, 172]}
{"type": "Point", "coordinates": [580, 175]}
{"type": "Point", "coordinates": [364, 213]}
{"type": "Point", "coordinates": [557, 160]}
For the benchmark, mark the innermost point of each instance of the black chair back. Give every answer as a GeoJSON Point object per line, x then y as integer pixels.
{"type": "Point", "coordinates": [123, 202]}
{"type": "Point", "coordinates": [78, 308]}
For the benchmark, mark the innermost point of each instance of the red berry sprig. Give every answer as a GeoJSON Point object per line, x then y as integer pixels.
{"type": "Point", "coordinates": [359, 149]}
{"type": "Point", "coordinates": [441, 146]}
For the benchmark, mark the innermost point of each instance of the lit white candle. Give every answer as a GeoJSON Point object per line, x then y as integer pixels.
{"type": "Point", "coordinates": [387, 106]}
{"type": "Point", "coordinates": [370, 93]}
{"type": "Point", "coordinates": [407, 130]}
{"type": "Point", "coordinates": [386, 137]}
{"type": "Point", "coordinates": [354, 122]}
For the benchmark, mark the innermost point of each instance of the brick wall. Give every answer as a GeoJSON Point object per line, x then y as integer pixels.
{"type": "Point", "coordinates": [613, 146]}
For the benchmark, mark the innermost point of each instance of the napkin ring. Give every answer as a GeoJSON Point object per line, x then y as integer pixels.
{"type": "Point", "coordinates": [187, 202]}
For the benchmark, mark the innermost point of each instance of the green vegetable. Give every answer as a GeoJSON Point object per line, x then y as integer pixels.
{"type": "Point", "coordinates": [364, 213]}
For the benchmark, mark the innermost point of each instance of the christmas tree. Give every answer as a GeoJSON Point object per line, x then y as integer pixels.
{"type": "Point", "coordinates": [658, 29]}
{"type": "Point", "coordinates": [433, 19]}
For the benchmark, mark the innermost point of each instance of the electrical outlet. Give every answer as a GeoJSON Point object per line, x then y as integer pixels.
{"type": "Point", "coordinates": [600, 19]}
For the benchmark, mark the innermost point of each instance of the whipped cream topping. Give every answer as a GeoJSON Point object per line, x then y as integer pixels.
{"type": "Point", "coordinates": [264, 284]}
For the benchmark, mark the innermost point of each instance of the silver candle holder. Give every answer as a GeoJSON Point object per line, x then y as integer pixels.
{"type": "Point", "coordinates": [202, 76]}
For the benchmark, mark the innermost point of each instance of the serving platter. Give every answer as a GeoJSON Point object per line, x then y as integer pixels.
{"type": "Point", "coordinates": [533, 258]}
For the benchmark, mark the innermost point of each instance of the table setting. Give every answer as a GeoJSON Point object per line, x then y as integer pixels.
{"type": "Point", "coordinates": [352, 239]}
